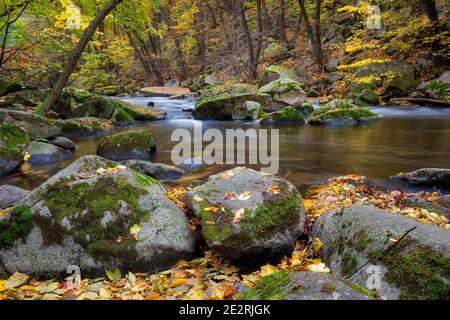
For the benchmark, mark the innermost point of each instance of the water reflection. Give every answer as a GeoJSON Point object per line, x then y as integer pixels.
{"type": "Point", "coordinates": [308, 154]}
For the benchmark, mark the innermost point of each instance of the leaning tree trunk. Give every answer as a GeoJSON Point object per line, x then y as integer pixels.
{"type": "Point", "coordinates": [75, 55]}
{"type": "Point", "coordinates": [252, 63]}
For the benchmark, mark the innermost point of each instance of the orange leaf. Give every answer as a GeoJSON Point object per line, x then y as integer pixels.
{"type": "Point", "coordinates": [178, 282]}
{"type": "Point", "coordinates": [153, 296]}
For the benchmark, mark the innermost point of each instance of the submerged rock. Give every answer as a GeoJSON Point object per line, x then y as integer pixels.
{"type": "Point", "coordinates": [289, 285]}
{"type": "Point", "coordinates": [248, 216]}
{"type": "Point", "coordinates": [286, 115]}
{"type": "Point", "coordinates": [10, 195]}
{"type": "Point", "coordinates": [13, 141]}
{"type": "Point", "coordinates": [432, 177]}
{"type": "Point", "coordinates": [130, 145]}
{"type": "Point", "coordinates": [418, 267]}
{"type": "Point", "coordinates": [340, 113]}
{"type": "Point", "coordinates": [35, 125]}
{"type": "Point", "coordinates": [158, 171]}
{"type": "Point", "coordinates": [85, 218]}
{"type": "Point", "coordinates": [45, 153]}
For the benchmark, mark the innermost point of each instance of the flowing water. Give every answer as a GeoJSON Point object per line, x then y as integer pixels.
{"type": "Point", "coordinates": [405, 139]}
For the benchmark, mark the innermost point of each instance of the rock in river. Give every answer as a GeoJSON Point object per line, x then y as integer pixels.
{"type": "Point", "coordinates": [130, 145]}
{"type": "Point", "coordinates": [417, 267]}
{"type": "Point", "coordinates": [248, 216]}
{"type": "Point", "coordinates": [13, 141]}
{"type": "Point", "coordinates": [44, 153]}
{"type": "Point", "coordinates": [84, 216]}
{"type": "Point", "coordinates": [289, 285]}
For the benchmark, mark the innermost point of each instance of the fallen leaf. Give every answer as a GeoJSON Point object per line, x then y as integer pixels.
{"type": "Point", "coordinates": [26, 156]}
{"type": "Point", "coordinates": [88, 296]}
{"type": "Point", "coordinates": [134, 231]}
{"type": "Point", "coordinates": [275, 189]}
{"type": "Point", "coordinates": [318, 266]}
{"type": "Point", "coordinates": [104, 294]}
{"type": "Point", "coordinates": [244, 196]}
{"type": "Point", "coordinates": [230, 195]}
{"type": "Point", "coordinates": [238, 216]}
{"type": "Point", "coordinates": [267, 270]}
{"type": "Point", "coordinates": [178, 282]}
{"type": "Point", "coordinates": [212, 209]}
{"type": "Point", "coordinates": [153, 296]}
{"type": "Point", "coordinates": [131, 279]}
{"type": "Point", "coordinates": [47, 287]}
{"type": "Point", "coordinates": [16, 280]}
{"type": "Point", "coordinates": [115, 275]}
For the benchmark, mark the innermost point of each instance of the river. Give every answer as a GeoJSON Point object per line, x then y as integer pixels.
{"type": "Point", "coordinates": [405, 139]}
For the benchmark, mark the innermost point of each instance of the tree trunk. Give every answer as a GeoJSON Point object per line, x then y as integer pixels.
{"type": "Point", "coordinates": [266, 18]}
{"type": "Point", "coordinates": [75, 55]}
{"type": "Point", "coordinates": [180, 57]}
{"type": "Point", "coordinates": [281, 22]}
{"type": "Point", "coordinates": [319, 57]}
{"type": "Point", "coordinates": [248, 40]}
{"type": "Point", "coordinates": [201, 35]}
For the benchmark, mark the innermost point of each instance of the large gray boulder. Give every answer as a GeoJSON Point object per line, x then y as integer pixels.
{"type": "Point", "coordinates": [158, 171]}
{"type": "Point", "coordinates": [433, 177]}
{"type": "Point", "coordinates": [10, 195]}
{"type": "Point", "coordinates": [64, 143]}
{"type": "Point", "coordinates": [13, 141]}
{"type": "Point", "coordinates": [96, 219]}
{"type": "Point", "coordinates": [274, 72]}
{"type": "Point", "coordinates": [289, 285]}
{"type": "Point", "coordinates": [130, 145]}
{"type": "Point", "coordinates": [36, 126]}
{"type": "Point", "coordinates": [417, 267]}
{"type": "Point", "coordinates": [248, 216]}
{"type": "Point", "coordinates": [45, 153]}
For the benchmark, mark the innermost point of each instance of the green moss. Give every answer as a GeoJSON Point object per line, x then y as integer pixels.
{"type": "Point", "coordinates": [271, 287]}
{"type": "Point", "coordinates": [83, 206]}
{"type": "Point", "coordinates": [18, 225]}
{"type": "Point", "coordinates": [361, 241]}
{"type": "Point", "coordinates": [125, 142]}
{"type": "Point", "coordinates": [139, 113]}
{"type": "Point", "coordinates": [121, 116]}
{"type": "Point", "coordinates": [328, 288]}
{"type": "Point", "coordinates": [261, 223]}
{"type": "Point", "coordinates": [144, 180]}
{"type": "Point", "coordinates": [349, 264]}
{"type": "Point", "coordinates": [284, 73]}
{"type": "Point", "coordinates": [364, 94]}
{"type": "Point", "coordinates": [362, 290]}
{"type": "Point", "coordinates": [281, 85]}
{"type": "Point", "coordinates": [108, 249]}
{"type": "Point", "coordinates": [420, 274]}
{"type": "Point", "coordinates": [340, 110]}
{"type": "Point", "coordinates": [286, 114]}
{"type": "Point", "coordinates": [12, 140]}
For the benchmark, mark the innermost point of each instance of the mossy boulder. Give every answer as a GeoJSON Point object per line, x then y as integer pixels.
{"type": "Point", "coordinates": [248, 216]}
{"type": "Point", "coordinates": [290, 285]}
{"type": "Point", "coordinates": [274, 72]}
{"type": "Point", "coordinates": [35, 125]}
{"type": "Point", "coordinates": [104, 108]}
{"type": "Point", "coordinates": [13, 141]}
{"type": "Point", "coordinates": [340, 113]}
{"type": "Point", "coordinates": [83, 217]}
{"type": "Point", "coordinates": [81, 127]}
{"type": "Point", "coordinates": [130, 145]}
{"type": "Point", "coordinates": [158, 171]}
{"type": "Point", "coordinates": [223, 107]}
{"type": "Point", "coordinates": [418, 267]}
{"type": "Point", "coordinates": [285, 91]}
{"type": "Point", "coordinates": [45, 153]}
{"type": "Point", "coordinates": [285, 115]}
{"type": "Point", "coordinates": [248, 110]}
{"type": "Point", "coordinates": [432, 177]}
{"type": "Point", "coordinates": [306, 108]}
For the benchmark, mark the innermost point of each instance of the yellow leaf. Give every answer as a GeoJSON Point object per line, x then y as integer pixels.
{"type": "Point", "coordinates": [2, 285]}
{"type": "Point", "coordinates": [47, 287]}
{"type": "Point", "coordinates": [239, 215]}
{"type": "Point", "coordinates": [153, 296]}
{"type": "Point", "coordinates": [104, 294]}
{"type": "Point", "coordinates": [16, 280]}
{"type": "Point", "coordinates": [26, 157]}
{"type": "Point", "coordinates": [267, 270]}
{"type": "Point", "coordinates": [178, 282]}
{"type": "Point", "coordinates": [134, 230]}
{"type": "Point", "coordinates": [318, 266]}
{"type": "Point", "coordinates": [212, 209]}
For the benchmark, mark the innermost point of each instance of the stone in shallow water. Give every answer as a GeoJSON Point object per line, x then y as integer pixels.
{"type": "Point", "coordinates": [434, 177]}
{"type": "Point", "coordinates": [158, 171]}
{"type": "Point", "coordinates": [10, 195]}
{"type": "Point", "coordinates": [44, 153]}
{"type": "Point", "coordinates": [13, 141]}
{"type": "Point", "coordinates": [83, 217]}
{"type": "Point", "coordinates": [63, 143]}
{"type": "Point", "coordinates": [248, 216]}
{"type": "Point", "coordinates": [418, 267]}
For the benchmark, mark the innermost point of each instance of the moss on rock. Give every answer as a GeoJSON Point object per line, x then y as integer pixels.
{"type": "Point", "coordinates": [12, 141]}
{"type": "Point", "coordinates": [288, 114]}
{"type": "Point", "coordinates": [340, 112]}
{"type": "Point", "coordinates": [271, 287]}
{"type": "Point", "coordinates": [136, 144]}
{"type": "Point", "coordinates": [15, 225]}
